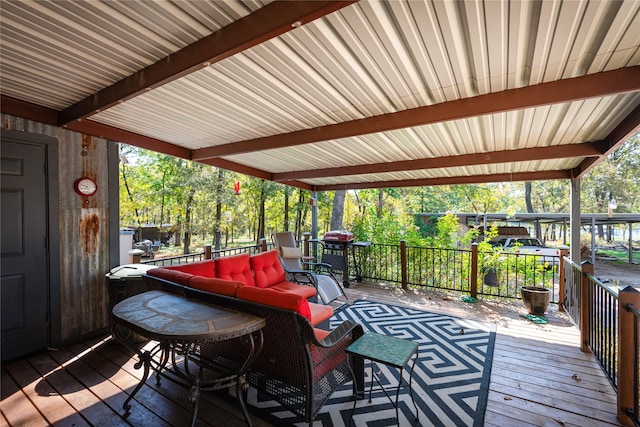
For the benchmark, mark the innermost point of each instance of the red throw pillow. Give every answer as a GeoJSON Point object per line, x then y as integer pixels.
{"type": "Point", "coordinates": [235, 267]}
{"type": "Point", "coordinates": [171, 275]}
{"type": "Point", "coordinates": [214, 285]}
{"type": "Point", "coordinates": [267, 268]}
{"type": "Point", "coordinates": [204, 268]}
{"type": "Point", "coordinates": [275, 299]}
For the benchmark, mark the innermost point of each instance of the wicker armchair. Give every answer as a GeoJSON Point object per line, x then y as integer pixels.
{"type": "Point", "coordinates": [299, 366]}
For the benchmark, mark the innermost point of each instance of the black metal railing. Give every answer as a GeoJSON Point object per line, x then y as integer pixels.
{"type": "Point", "coordinates": [178, 259]}
{"type": "Point", "coordinates": [600, 312]}
{"type": "Point", "coordinates": [379, 262]}
{"type": "Point", "coordinates": [603, 327]}
{"type": "Point", "coordinates": [446, 269]}
{"type": "Point", "coordinates": [572, 277]}
{"type": "Point", "coordinates": [634, 412]}
{"type": "Point", "coordinates": [450, 269]}
{"type": "Point", "coordinates": [199, 256]}
{"type": "Point", "coordinates": [514, 270]}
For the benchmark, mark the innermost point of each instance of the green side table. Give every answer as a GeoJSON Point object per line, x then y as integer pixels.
{"type": "Point", "coordinates": [390, 351]}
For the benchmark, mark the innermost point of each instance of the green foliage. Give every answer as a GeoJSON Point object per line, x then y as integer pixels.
{"type": "Point", "coordinates": [389, 228]}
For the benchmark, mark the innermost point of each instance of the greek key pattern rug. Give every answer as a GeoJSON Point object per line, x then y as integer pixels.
{"type": "Point", "coordinates": [450, 380]}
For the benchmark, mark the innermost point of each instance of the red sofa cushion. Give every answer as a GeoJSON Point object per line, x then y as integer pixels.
{"type": "Point", "coordinates": [235, 267]}
{"type": "Point", "coordinates": [319, 313]}
{"type": "Point", "coordinates": [320, 333]}
{"type": "Point", "coordinates": [215, 285]}
{"type": "Point", "coordinates": [204, 268]}
{"type": "Point", "coordinates": [171, 275]}
{"type": "Point", "coordinates": [275, 299]}
{"type": "Point", "coordinates": [294, 288]}
{"type": "Point", "coordinates": [267, 268]}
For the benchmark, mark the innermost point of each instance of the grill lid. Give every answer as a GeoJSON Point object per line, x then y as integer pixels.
{"type": "Point", "coordinates": [338, 236]}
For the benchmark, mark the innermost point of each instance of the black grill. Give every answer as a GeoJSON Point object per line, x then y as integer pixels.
{"type": "Point", "coordinates": [336, 254]}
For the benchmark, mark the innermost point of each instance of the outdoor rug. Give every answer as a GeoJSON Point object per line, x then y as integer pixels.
{"type": "Point", "coordinates": [450, 380]}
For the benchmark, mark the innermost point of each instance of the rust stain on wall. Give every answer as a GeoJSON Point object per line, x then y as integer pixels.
{"type": "Point", "coordinates": [89, 230]}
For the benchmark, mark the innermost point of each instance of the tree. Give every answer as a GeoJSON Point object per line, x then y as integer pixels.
{"type": "Point", "coordinates": [337, 212]}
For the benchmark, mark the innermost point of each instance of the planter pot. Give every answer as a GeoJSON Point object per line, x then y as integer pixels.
{"type": "Point", "coordinates": [536, 299]}
{"type": "Point", "coordinates": [491, 277]}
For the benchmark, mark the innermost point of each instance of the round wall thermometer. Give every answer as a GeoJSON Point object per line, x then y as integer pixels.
{"type": "Point", "coordinates": [85, 186]}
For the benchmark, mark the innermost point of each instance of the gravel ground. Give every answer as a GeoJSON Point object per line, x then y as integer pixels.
{"type": "Point", "coordinates": [617, 272]}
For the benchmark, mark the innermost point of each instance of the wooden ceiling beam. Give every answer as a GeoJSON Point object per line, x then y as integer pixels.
{"type": "Point", "coordinates": [607, 83]}
{"type": "Point", "coordinates": [588, 149]}
{"type": "Point", "coordinates": [452, 180]}
{"type": "Point", "coordinates": [90, 127]}
{"type": "Point", "coordinates": [27, 110]}
{"type": "Point", "coordinates": [271, 20]}
{"type": "Point", "coordinates": [248, 170]}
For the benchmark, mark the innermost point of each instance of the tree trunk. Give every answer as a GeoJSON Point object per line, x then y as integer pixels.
{"type": "Point", "coordinates": [187, 222]}
{"type": "Point", "coordinates": [162, 202]}
{"type": "Point", "coordinates": [299, 208]}
{"type": "Point", "coordinates": [135, 207]}
{"type": "Point", "coordinates": [380, 202]}
{"type": "Point", "coordinates": [337, 212]}
{"type": "Point", "coordinates": [178, 233]}
{"type": "Point", "coordinates": [218, 218]}
{"type": "Point", "coordinates": [261, 214]}
{"type": "Point", "coordinates": [286, 209]}
{"type": "Point", "coordinates": [527, 197]}
{"type": "Point", "coordinates": [529, 203]}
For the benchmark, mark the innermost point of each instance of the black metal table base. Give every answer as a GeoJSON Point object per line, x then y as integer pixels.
{"type": "Point", "coordinates": [179, 358]}
{"type": "Point", "coordinates": [374, 375]}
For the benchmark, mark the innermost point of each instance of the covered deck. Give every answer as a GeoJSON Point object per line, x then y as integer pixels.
{"type": "Point", "coordinates": [539, 375]}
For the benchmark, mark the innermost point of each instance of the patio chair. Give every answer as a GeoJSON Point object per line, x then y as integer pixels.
{"type": "Point", "coordinates": [317, 274]}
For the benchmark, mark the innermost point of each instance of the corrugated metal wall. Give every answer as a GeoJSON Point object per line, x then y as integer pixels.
{"type": "Point", "coordinates": [84, 229]}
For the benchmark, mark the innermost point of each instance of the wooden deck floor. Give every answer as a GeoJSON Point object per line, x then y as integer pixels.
{"type": "Point", "coordinates": [539, 377]}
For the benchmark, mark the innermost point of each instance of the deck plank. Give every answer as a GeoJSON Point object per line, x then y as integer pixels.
{"type": "Point", "coordinates": [70, 383]}
{"type": "Point", "coordinates": [50, 404]}
{"type": "Point", "coordinates": [15, 406]}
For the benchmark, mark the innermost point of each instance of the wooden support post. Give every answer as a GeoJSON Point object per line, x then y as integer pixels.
{"type": "Point", "coordinates": [628, 297]}
{"type": "Point", "coordinates": [262, 244]}
{"type": "Point", "coordinates": [473, 285]}
{"type": "Point", "coordinates": [564, 252]}
{"type": "Point", "coordinates": [306, 249]}
{"type": "Point", "coordinates": [585, 306]}
{"type": "Point", "coordinates": [403, 263]}
{"type": "Point", "coordinates": [208, 254]}
{"type": "Point", "coordinates": [135, 256]}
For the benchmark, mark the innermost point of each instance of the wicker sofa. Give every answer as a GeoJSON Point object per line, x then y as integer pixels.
{"type": "Point", "coordinates": [300, 365]}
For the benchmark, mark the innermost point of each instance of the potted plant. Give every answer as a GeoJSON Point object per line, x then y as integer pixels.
{"type": "Point", "coordinates": [492, 259]}
{"type": "Point", "coordinates": [536, 299]}
{"type": "Point", "coordinates": [489, 271]}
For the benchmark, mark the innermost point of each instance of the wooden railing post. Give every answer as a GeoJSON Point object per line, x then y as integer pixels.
{"type": "Point", "coordinates": [628, 297]}
{"type": "Point", "coordinates": [262, 244]}
{"type": "Point", "coordinates": [585, 305]}
{"type": "Point", "coordinates": [403, 263]}
{"type": "Point", "coordinates": [306, 248]}
{"type": "Point", "coordinates": [207, 251]}
{"type": "Point", "coordinates": [473, 286]}
{"type": "Point", "coordinates": [135, 256]}
{"type": "Point", "coordinates": [564, 251]}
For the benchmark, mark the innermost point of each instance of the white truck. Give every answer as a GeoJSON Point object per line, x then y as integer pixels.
{"type": "Point", "coordinates": [528, 246]}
